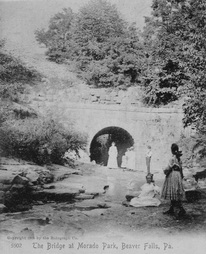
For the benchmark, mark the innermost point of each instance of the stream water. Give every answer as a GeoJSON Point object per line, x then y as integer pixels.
{"type": "Point", "coordinates": [59, 218]}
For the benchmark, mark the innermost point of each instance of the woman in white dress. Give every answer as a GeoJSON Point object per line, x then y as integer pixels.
{"type": "Point", "coordinates": [131, 159]}
{"type": "Point", "coordinates": [125, 159]}
{"type": "Point", "coordinates": [149, 195]}
{"type": "Point", "coordinates": [112, 161]}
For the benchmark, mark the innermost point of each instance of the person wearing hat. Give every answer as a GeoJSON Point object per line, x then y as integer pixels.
{"type": "Point", "coordinates": [173, 187]}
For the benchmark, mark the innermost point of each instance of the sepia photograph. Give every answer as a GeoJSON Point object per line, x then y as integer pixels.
{"type": "Point", "coordinates": [102, 126]}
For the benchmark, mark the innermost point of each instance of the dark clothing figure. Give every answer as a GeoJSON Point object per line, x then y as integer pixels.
{"type": "Point", "coordinates": [173, 186]}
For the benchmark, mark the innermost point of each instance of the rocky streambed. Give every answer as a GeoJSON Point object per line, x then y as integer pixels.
{"type": "Point", "coordinates": [64, 202]}
{"type": "Point", "coordinates": [23, 185]}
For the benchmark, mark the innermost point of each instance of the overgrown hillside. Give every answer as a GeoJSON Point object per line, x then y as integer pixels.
{"type": "Point", "coordinates": [24, 133]}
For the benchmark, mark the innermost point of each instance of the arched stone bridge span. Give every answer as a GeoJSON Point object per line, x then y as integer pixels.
{"type": "Point", "coordinates": [146, 126]}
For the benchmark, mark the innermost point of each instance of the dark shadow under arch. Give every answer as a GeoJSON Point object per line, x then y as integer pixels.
{"type": "Point", "coordinates": [102, 141]}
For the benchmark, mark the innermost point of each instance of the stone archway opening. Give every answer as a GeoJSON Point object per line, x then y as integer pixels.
{"type": "Point", "coordinates": [102, 141]}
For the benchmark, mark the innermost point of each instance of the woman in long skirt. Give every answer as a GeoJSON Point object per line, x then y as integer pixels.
{"type": "Point", "coordinates": [173, 186]}
{"type": "Point", "coordinates": [112, 161]}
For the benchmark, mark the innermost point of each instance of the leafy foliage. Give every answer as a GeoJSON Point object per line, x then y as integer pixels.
{"type": "Point", "coordinates": [22, 133]}
{"type": "Point", "coordinates": [40, 140]}
{"type": "Point", "coordinates": [13, 70]}
{"type": "Point", "coordinates": [195, 110]}
{"type": "Point", "coordinates": [14, 75]}
{"type": "Point", "coordinates": [168, 59]}
{"type": "Point", "coordinates": [120, 67]}
{"type": "Point", "coordinates": [107, 50]}
{"type": "Point", "coordinates": [57, 35]}
{"type": "Point", "coordinates": [187, 145]}
{"type": "Point", "coordinates": [174, 40]}
{"type": "Point", "coordinates": [194, 151]}
{"type": "Point", "coordinates": [175, 66]}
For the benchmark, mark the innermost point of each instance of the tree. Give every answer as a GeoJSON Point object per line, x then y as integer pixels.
{"type": "Point", "coordinates": [175, 66]}
{"type": "Point", "coordinates": [96, 23]}
{"type": "Point", "coordinates": [57, 35]}
{"type": "Point", "coordinates": [105, 49]}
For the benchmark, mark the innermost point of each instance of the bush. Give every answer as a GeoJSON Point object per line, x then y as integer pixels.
{"type": "Point", "coordinates": [40, 140]}
{"type": "Point", "coordinates": [187, 145]}
{"type": "Point", "coordinates": [14, 75]}
{"type": "Point", "coordinates": [194, 150]}
{"type": "Point", "coordinates": [13, 70]}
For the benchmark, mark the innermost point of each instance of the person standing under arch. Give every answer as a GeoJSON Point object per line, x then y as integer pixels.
{"type": "Point", "coordinates": [113, 153]}
{"type": "Point", "coordinates": [148, 158]}
{"type": "Point", "coordinates": [125, 159]}
{"type": "Point", "coordinates": [131, 159]}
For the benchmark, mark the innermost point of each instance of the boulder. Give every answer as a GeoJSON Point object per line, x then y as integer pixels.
{"type": "Point", "coordinates": [17, 201]}
{"type": "Point", "coordinates": [201, 183]}
{"type": "Point", "coordinates": [17, 187]}
{"type": "Point", "coordinates": [2, 208]}
{"type": "Point", "coordinates": [20, 180]}
{"type": "Point", "coordinates": [193, 195]}
{"type": "Point", "coordinates": [18, 197]}
{"type": "Point", "coordinates": [45, 177]}
{"type": "Point", "coordinates": [200, 175]}
{"type": "Point", "coordinates": [32, 176]}
{"type": "Point", "coordinates": [6, 177]}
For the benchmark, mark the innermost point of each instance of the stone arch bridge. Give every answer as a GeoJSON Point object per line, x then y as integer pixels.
{"type": "Point", "coordinates": [117, 116]}
{"type": "Point", "coordinates": [129, 126]}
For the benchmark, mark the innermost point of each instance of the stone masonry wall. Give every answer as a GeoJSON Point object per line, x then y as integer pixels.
{"type": "Point", "coordinates": [91, 110]}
